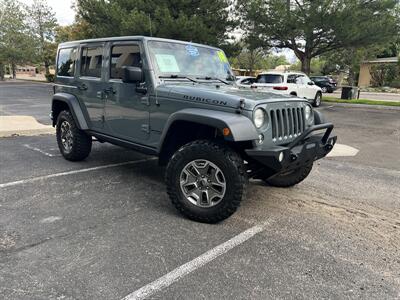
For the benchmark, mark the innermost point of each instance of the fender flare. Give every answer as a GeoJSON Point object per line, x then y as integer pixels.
{"type": "Point", "coordinates": [319, 118]}
{"type": "Point", "coordinates": [241, 128]}
{"type": "Point", "coordinates": [74, 107]}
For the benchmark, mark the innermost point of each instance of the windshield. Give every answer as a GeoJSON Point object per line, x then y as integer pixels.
{"type": "Point", "coordinates": [187, 60]}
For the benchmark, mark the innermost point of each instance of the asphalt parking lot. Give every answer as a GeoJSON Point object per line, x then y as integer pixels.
{"type": "Point", "coordinates": [104, 228]}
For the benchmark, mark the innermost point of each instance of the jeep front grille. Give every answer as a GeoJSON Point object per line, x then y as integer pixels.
{"type": "Point", "coordinates": [287, 122]}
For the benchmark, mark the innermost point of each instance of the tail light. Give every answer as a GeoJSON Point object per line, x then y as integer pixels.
{"type": "Point", "coordinates": [280, 88]}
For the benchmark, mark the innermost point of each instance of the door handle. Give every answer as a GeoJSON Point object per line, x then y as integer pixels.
{"type": "Point", "coordinates": [83, 87]}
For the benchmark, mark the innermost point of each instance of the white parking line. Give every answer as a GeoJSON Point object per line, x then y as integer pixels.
{"type": "Point", "coordinates": [176, 274]}
{"type": "Point", "coordinates": [29, 180]}
{"type": "Point", "coordinates": [40, 151]}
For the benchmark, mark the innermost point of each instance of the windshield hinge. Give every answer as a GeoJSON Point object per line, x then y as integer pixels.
{"type": "Point", "coordinates": [241, 105]}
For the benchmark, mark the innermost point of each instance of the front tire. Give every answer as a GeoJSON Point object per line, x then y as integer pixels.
{"type": "Point", "coordinates": [206, 181]}
{"type": "Point", "coordinates": [291, 178]}
{"type": "Point", "coordinates": [74, 144]}
{"type": "Point", "coordinates": [317, 99]}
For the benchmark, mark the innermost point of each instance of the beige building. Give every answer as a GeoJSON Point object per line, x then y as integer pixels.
{"type": "Point", "coordinates": [364, 79]}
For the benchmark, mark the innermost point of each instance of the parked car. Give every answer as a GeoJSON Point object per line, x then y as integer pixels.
{"type": "Point", "coordinates": [178, 101]}
{"type": "Point", "coordinates": [326, 83]}
{"type": "Point", "coordinates": [245, 81]}
{"type": "Point", "coordinates": [289, 83]}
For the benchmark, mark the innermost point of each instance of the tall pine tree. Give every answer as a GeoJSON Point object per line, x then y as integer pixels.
{"type": "Point", "coordinates": [203, 21]}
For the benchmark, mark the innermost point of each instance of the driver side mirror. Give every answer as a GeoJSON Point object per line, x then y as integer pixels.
{"type": "Point", "coordinates": [311, 83]}
{"type": "Point", "coordinates": [132, 74]}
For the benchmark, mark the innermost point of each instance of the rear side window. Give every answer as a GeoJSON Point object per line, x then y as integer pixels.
{"type": "Point", "coordinates": [125, 55]}
{"type": "Point", "coordinates": [269, 78]}
{"type": "Point", "coordinates": [92, 58]}
{"type": "Point", "coordinates": [291, 78]}
{"type": "Point", "coordinates": [66, 62]}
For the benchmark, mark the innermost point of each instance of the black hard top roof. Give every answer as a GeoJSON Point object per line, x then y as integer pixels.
{"type": "Point", "coordinates": [127, 38]}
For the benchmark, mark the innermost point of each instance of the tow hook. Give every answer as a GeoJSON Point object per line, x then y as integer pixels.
{"type": "Point", "coordinates": [293, 157]}
{"type": "Point", "coordinates": [328, 147]}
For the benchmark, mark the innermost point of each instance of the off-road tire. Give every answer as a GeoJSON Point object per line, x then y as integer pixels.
{"type": "Point", "coordinates": [290, 179]}
{"type": "Point", "coordinates": [229, 162]}
{"type": "Point", "coordinates": [81, 142]}
{"type": "Point", "coordinates": [317, 100]}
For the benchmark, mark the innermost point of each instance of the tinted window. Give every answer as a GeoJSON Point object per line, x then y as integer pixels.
{"type": "Point", "coordinates": [127, 55]}
{"type": "Point", "coordinates": [269, 78]}
{"type": "Point", "coordinates": [291, 78]}
{"type": "Point", "coordinates": [319, 79]}
{"type": "Point", "coordinates": [92, 58]}
{"type": "Point", "coordinates": [66, 62]}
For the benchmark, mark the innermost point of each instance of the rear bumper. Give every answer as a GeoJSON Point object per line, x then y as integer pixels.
{"type": "Point", "coordinates": [303, 150]}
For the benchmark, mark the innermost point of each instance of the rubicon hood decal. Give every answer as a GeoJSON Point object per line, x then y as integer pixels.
{"type": "Point", "coordinates": [205, 100]}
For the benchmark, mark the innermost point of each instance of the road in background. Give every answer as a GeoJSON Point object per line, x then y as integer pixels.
{"type": "Point", "coordinates": [26, 98]}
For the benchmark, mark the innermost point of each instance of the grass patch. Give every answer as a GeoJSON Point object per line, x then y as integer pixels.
{"type": "Point", "coordinates": [361, 101]}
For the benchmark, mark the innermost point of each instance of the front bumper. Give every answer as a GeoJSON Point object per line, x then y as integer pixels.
{"type": "Point", "coordinates": [303, 150]}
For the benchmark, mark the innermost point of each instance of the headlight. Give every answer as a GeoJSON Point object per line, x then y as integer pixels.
{"type": "Point", "coordinates": [259, 117]}
{"type": "Point", "coordinates": [308, 112]}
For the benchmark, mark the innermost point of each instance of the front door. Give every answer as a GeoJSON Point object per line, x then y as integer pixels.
{"type": "Point", "coordinates": [90, 84]}
{"type": "Point", "coordinates": [126, 109]}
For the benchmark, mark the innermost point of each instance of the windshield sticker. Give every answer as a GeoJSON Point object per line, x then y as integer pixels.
{"type": "Point", "coordinates": [192, 50]}
{"type": "Point", "coordinates": [167, 63]}
{"type": "Point", "coordinates": [222, 56]}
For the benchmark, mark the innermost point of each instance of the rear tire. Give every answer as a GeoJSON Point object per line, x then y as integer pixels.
{"type": "Point", "coordinates": [206, 181]}
{"type": "Point", "coordinates": [74, 144]}
{"type": "Point", "coordinates": [290, 179]}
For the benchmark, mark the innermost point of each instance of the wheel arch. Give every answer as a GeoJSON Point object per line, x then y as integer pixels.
{"type": "Point", "coordinates": [191, 124]}
{"type": "Point", "coordinates": [63, 101]}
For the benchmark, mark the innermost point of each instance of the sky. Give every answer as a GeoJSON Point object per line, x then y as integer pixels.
{"type": "Point", "coordinates": [62, 8]}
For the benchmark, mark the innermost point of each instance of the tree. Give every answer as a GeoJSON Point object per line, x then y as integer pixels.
{"type": "Point", "coordinates": [249, 59]}
{"type": "Point", "coordinates": [204, 21]}
{"type": "Point", "coordinates": [384, 74]}
{"type": "Point", "coordinates": [43, 23]}
{"type": "Point", "coordinates": [16, 43]}
{"type": "Point", "coordinates": [314, 27]}
{"type": "Point", "coordinates": [79, 30]}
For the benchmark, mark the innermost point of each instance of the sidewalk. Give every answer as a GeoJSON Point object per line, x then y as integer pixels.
{"type": "Point", "coordinates": [22, 125]}
{"type": "Point", "coordinates": [392, 97]}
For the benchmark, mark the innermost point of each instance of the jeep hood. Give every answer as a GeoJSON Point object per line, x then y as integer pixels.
{"type": "Point", "coordinates": [220, 95]}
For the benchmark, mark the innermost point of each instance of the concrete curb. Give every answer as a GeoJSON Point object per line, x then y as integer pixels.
{"type": "Point", "coordinates": [351, 105]}
{"type": "Point", "coordinates": [22, 125]}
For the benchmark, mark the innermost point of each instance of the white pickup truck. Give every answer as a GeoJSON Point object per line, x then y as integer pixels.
{"type": "Point", "coordinates": [289, 83]}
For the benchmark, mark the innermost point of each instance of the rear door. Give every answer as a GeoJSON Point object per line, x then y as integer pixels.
{"type": "Point", "coordinates": [90, 83]}
{"type": "Point", "coordinates": [126, 109]}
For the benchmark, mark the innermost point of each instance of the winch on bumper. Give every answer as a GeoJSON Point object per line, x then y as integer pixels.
{"type": "Point", "coordinates": [303, 150]}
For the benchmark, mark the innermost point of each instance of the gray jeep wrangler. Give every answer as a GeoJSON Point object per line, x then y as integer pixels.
{"type": "Point", "coordinates": [178, 101]}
